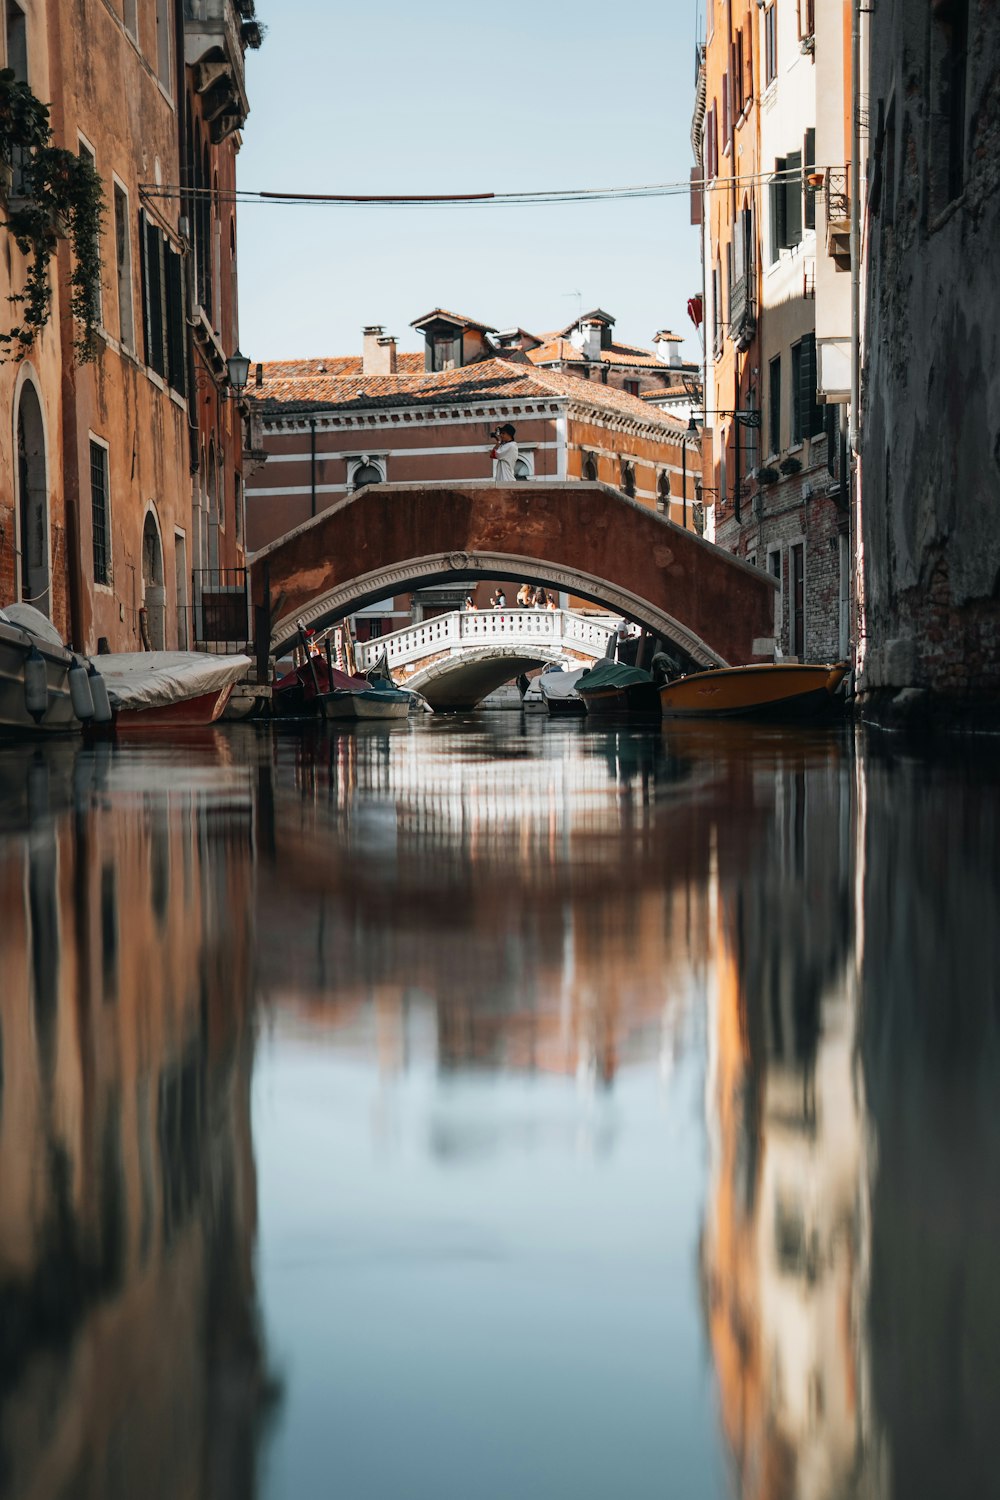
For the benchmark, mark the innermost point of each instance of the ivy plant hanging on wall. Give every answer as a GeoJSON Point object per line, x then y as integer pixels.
{"type": "Point", "coordinates": [49, 194]}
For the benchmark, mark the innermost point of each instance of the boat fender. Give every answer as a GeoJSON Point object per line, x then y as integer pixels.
{"type": "Point", "coordinates": [79, 691]}
{"type": "Point", "coordinates": [99, 693]}
{"type": "Point", "coordinates": [36, 685]}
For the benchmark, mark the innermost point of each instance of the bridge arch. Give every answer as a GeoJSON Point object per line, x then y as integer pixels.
{"type": "Point", "coordinates": [584, 538]}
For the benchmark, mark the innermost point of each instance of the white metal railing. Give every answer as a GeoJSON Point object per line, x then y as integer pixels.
{"type": "Point", "coordinates": [472, 629]}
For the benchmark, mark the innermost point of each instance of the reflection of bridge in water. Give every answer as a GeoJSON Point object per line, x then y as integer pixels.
{"type": "Point", "coordinates": [456, 659]}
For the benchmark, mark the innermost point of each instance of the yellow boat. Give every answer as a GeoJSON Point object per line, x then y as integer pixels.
{"type": "Point", "coordinates": [770, 690]}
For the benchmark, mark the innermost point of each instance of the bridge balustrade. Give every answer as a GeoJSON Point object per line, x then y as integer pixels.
{"type": "Point", "coordinates": [475, 628]}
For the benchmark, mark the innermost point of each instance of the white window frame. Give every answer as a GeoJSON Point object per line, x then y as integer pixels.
{"type": "Point", "coordinates": [356, 461]}
{"type": "Point", "coordinates": [95, 438]}
{"type": "Point", "coordinates": [525, 455]}
{"type": "Point", "coordinates": [128, 343]}
{"type": "Point", "coordinates": [81, 140]}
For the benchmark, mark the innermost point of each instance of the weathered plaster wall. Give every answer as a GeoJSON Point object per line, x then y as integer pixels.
{"type": "Point", "coordinates": [931, 428]}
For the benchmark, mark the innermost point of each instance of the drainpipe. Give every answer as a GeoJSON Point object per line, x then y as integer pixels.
{"type": "Point", "coordinates": [852, 444]}
{"type": "Point", "coordinates": [312, 466]}
{"type": "Point", "coordinates": [684, 482]}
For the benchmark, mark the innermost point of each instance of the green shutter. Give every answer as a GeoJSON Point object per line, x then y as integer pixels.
{"type": "Point", "coordinates": [808, 163]}
{"type": "Point", "coordinates": [793, 198]}
{"type": "Point", "coordinates": [779, 236]}
{"type": "Point", "coordinates": [176, 341]}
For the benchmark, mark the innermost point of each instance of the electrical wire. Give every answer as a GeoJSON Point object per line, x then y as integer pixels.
{"type": "Point", "coordinates": [530, 199]}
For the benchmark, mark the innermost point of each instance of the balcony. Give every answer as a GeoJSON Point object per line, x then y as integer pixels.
{"type": "Point", "coordinates": [837, 194]}
{"type": "Point", "coordinates": [214, 40]}
{"type": "Point", "coordinates": [742, 311]}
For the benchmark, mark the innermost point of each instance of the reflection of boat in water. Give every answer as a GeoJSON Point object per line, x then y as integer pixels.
{"type": "Point", "coordinates": [613, 688]}
{"type": "Point", "coordinates": [153, 690]}
{"type": "Point", "coordinates": [767, 690]}
{"type": "Point", "coordinates": [34, 675]}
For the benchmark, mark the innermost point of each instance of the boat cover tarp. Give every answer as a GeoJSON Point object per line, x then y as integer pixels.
{"type": "Point", "coordinates": [560, 685]}
{"type": "Point", "coordinates": [156, 679]}
{"type": "Point", "coordinates": [608, 675]}
{"type": "Point", "coordinates": [31, 619]}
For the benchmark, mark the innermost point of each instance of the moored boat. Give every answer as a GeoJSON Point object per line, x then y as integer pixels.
{"type": "Point", "coordinates": [764, 690]}
{"type": "Point", "coordinates": [613, 689]}
{"type": "Point", "coordinates": [558, 690]}
{"type": "Point", "coordinates": [151, 691]}
{"type": "Point", "coordinates": [363, 700]}
{"type": "Point", "coordinates": [35, 693]}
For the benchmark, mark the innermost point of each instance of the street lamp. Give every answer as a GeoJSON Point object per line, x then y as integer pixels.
{"type": "Point", "coordinates": [238, 369]}
{"type": "Point", "coordinates": [746, 418]}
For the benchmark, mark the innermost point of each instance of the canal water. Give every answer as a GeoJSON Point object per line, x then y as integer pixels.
{"type": "Point", "coordinates": [492, 1107]}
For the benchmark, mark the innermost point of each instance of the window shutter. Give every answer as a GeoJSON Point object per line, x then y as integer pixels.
{"type": "Point", "coordinates": [154, 300]}
{"type": "Point", "coordinates": [812, 412]}
{"type": "Point", "coordinates": [793, 198]}
{"type": "Point", "coordinates": [176, 342]}
{"type": "Point", "coordinates": [808, 163]}
{"type": "Point", "coordinates": [778, 225]}
{"type": "Point", "coordinates": [144, 277]}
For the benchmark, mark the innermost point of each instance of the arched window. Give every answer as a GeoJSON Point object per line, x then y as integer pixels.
{"type": "Point", "coordinates": [663, 493]}
{"type": "Point", "coordinates": [590, 466]}
{"type": "Point", "coordinates": [628, 479]}
{"type": "Point", "coordinates": [366, 472]}
{"type": "Point", "coordinates": [522, 469]}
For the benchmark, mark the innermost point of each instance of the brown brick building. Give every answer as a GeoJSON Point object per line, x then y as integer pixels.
{"type": "Point", "coordinates": [330, 426]}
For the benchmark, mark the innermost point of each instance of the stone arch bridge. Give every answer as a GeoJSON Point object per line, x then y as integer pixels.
{"type": "Point", "coordinates": [586, 539]}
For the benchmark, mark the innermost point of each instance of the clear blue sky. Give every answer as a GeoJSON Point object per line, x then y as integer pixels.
{"type": "Point", "coordinates": [453, 96]}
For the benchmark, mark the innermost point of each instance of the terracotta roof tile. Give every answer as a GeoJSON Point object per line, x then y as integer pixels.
{"type": "Point", "coordinates": [336, 364]}
{"type": "Point", "coordinates": [487, 380]}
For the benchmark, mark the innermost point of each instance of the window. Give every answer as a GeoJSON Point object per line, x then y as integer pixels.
{"type": "Point", "coordinates": [663, 493]}
{"type": "Point", "coordinates": [711, 144]}
{"type": "Point", "coordinates": [807, 415]}
{"type": "Point", "coordinates": [808, 164]}
{"type": "Point", "coordinates": [771, 42]}
{"type": "Point", "coordinates": [238, 502]}
{"type": "Point", "coordinates": [17, 41]}
{"type": "Point", "coordinates": [632, 387]}
{"type": "Point", "coordinates": [590, 467]}
{"type": "Point", "coordinates": [525, 467]}
{"type": "Point", "coordinates": [717, 308]}
{"type": "Point", "coordinates": [739, 98]}
{"type": "Point", "coordinates": [163, 320]}
{"type": "Point", "coordinates": [797, 601]}
{"type": "Point", "coordinates": [366, 472]}
{"type": "Point", "coordinates": [774, 405]}
{"type": "Point", "coordinates": [774, 568]}
{"type": "Point", "coordinates": [786, 203]}
{"type": "Point", "coordinates": [100, 509]}
{"type": "Point", "coordinates": [163, 47]}
{"type": "Point", "coordinates": [948, 66]}
{"type": "Point", "coordinates": [628, 479]}
{"type": "Point", "coordinates": [727, 112]}
{"type": "Point", "coordinates": [807, 18]}
{"type": "Point", "coordinates": [87, 155]}
{"type": "Point", "coordinates": [123, 264]}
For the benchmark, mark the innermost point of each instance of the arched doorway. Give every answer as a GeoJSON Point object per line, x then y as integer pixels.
{"type": "Point", "coordinates": [32, 501]}
{"type": "Point", "coordinates": [154, 595]}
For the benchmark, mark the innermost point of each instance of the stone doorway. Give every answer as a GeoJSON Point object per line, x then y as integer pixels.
{"type": "Point", "coordinates": [32, 501]}
{"type": "Point", "coordinates": [154, 595]}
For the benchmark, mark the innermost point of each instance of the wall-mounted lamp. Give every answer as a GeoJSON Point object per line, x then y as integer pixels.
{"type": "Point", "coordinates": [745, 418]}
{"type": "Point", "coordinates": [238, 370]}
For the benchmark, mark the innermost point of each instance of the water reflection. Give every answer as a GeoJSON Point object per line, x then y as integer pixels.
{"type": "Point", "coordinates": [130, 1358]}
{"type": "Point", "coordinates": [621, 1108]}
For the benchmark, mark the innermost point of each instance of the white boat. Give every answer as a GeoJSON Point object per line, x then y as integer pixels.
{"type": "Point", "coordinates": [165, 690]}
{"type": "Point", "coordinates": [373, 700]}
{"type": "Point", "coordinates": [558, 690]}
{"type": "Point", "coordinates": [26, 636]}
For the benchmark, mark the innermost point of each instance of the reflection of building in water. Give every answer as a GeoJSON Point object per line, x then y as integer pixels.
{"type": "Point", "coordinates": [129, 1354]}
{"type": "Point", "coordinates": [574, 935]}
{"type": "Point", "coordinates": [930, 1043]}
{"type": "Point", "coordinates": [780, 1243]}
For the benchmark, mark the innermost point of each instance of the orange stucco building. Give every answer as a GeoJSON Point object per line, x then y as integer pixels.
{"type": "Point", "coordinates": [121, 478]}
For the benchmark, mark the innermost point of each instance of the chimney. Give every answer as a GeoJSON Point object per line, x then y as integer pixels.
{"type": "Point", "coordinates": [371, 355]}
{"type": "Point", "coordinates": [591, 340]}
{"type": "Point", "coordinates": [387, 355]}
{"type": "Point", "coordinates": [259, 375]}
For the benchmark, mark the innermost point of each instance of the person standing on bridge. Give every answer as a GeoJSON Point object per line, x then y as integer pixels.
{"type": "Point", "coordinates": [504, 453]}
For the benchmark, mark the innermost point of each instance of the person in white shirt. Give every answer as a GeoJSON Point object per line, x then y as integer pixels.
{"type": "Point", "coordinates": [505, 452]}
